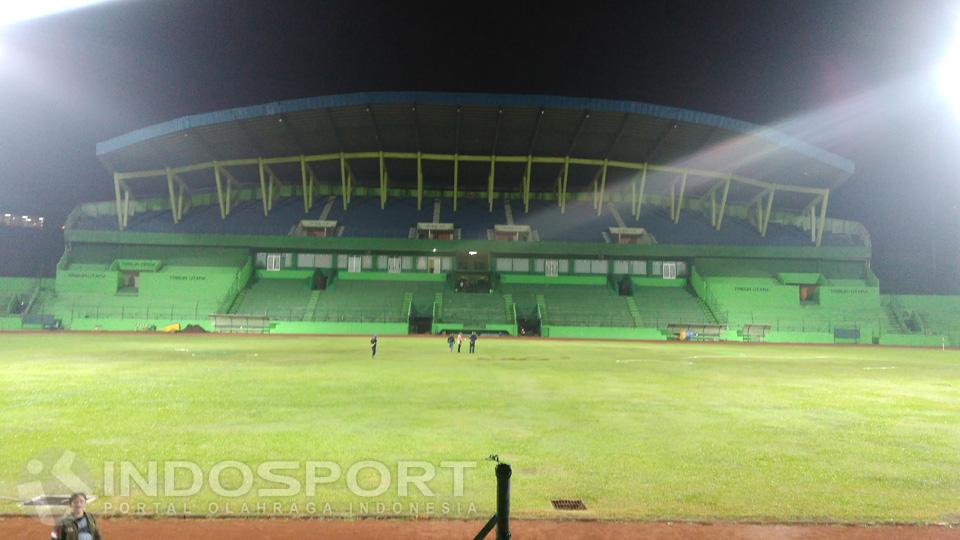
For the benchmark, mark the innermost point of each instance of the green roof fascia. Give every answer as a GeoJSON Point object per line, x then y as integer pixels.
{"type": "Point", "coordinates": [559, 249]}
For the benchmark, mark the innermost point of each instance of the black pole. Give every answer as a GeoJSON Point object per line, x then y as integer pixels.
{"type": "Point", "coordinates": [503, 501]}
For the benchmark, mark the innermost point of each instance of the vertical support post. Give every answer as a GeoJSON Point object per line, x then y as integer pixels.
{"type": "Point", "coordinates": [603, 186]}
{"type": "Point", "coordinates": [673, 199]}
{"type": "Point", "coordinates": [566, 178]}
{"type": "Point", "coordinates": [126, 206]}
{"type": "Point", "coordinates": [766, 217]}
{"type": "Point", "coordinates": [219, 182]}
{"type": "Point", "coordinates": [312, 187]}
{"type": "Point", "coordinates": [813, 223]}
{"type": "Point", "coordinates": [273, 180]}
{"type": "Point", "coordinates": [643, 187]}
{"type": "Point", "coordinates": [493, 167]}
{"type": "Point", "coordinates": [180, 199]}
{"type": "Point", "coordinates": [383, 182]}
{"type": "Point", "coordinates": [303, 182]}
{"type": "Point", "coordinates": [683, 188]}
{"type": "Point", "coordinates": [559, 176]}
{"type": "Point", "coordinates": [526, 184]}
{"type": "Point", "coordinates": [173, 200]}
{"type": "Point", "coordinates": [456, 174]}
{"type": "Point", "coordinates": [823, 217]}
{"type": "Point", "coordinates": [343, 180]}
{"type": "Point", "coordinates": [419, 181]}
{"type": "Point", "coordinates": [503, 501]}
{"type": "Point", "coordinates": [116, 190]}
{"type": "Point", "coordinates": [723, 201]}
{"type": "Point", "coordinates": [263, 186]}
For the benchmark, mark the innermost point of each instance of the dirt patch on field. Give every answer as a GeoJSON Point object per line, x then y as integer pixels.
{"type": "Point", "coordinates": [266, 529]}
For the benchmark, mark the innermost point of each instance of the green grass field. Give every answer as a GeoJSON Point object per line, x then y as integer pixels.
{"type": "Point", "coordinates": [636, 430]}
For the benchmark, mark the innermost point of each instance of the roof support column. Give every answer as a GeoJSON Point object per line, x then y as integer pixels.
{"type": "Point", "coordinates": [116, 190]}
{"type": "Point", "coordinates": [173, 200]}
{"type": "Point", "coordinates": [231, 184]}
{"type": "Point", "coordinates": [456, 175]}
{"type": "Point", "coordinates": [813, 224]}
{"type": "Point", "coordinates": [419, 181]}
{"type": "Point", "coordinates": [683, 187]}
{"type": "Point", "coordinates": [526, 184]}
{"type": "Point", "coordinates": [563, 189]}
{"type": "Point", "coordinates": [343, 181]}
{"type": "Point", "coordinates": [643, 187]}
{"type": "Point", "coordinates": [673, 199]}
{"type": "Point", "coordinates": [493, 167]}
{"type": "Point", "coordinates": [559, 176]}
{"type": "Point", "coordinates": [603, 186]}
{"type": "Point", "coordinates": [303, 182]}
{"type": "Point", "coordinates": [383, 182]}
{"type": "Point", "coordinates": [126, 206]}
{"type": "Point", "coordinates": [723, 201]}
{"type": "Point", "coordinates": [180, 198]}
{"type": "Point", "coordinates": [263, 186]}
{"type": "Point", "coordinates": [766, 217]}
{"type": "Point", "coordinates": [270, 196]}
{"type": "Point", "coordinates": [217, 179]}
{"type": "Point", "coordinates": [823, 217]}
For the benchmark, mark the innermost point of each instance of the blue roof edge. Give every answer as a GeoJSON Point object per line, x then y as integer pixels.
{"type": "Point", "coordinates": [493, 100]}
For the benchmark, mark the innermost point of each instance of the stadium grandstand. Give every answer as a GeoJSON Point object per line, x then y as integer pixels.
{"type": "Point", "coordinates": [397, 213]}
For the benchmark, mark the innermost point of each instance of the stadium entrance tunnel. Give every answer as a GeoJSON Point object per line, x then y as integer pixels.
{"type": "Point", "coordinates": [528, 327]}
{"type": "Point", "coordinates": [420, 325]}
{"type": "Point", "coordinates": [472, 283]}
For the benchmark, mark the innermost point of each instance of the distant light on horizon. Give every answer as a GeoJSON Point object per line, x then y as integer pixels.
{"type": "Point", "coordinates": [15, 12]}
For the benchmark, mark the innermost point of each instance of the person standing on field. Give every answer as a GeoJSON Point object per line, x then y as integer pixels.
{"type": "Point", "coordinates": [373, 346]}
{"type": "Point", "coordinates": [459, 341]}
{"type": "Point", "coordinates": [450, 342]}
{"type": "Point", "coordinates": [473, 341]}
{"type": "Point", "coordinates": [77, 524]}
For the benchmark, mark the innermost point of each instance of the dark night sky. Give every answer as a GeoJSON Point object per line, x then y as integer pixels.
{"type": "Point", "coordinates": [849, 76]}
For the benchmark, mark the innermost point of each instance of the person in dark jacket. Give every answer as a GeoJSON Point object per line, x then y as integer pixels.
{"type": "Point", "coordinates": [473, 341]}
{"type": "Point", "coordinates": [77, 524]}
{"type": "Point", "coordinates": [373, 346]}
{"type": "Point", "coordinates": [450, 342]}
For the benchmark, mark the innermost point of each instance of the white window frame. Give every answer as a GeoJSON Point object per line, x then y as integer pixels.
{"type": "Point", "coordinates": [669, 270]}
{"type": "Point", "coordinates": [273, 262]}
{"type": "Point", "coordinates": [354, 263]}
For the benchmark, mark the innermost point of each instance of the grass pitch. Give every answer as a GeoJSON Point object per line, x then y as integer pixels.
{"type": "Point", "coordinates": [636, 430]}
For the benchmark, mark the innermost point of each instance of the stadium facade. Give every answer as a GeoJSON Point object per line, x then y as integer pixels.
{"type": "Point", "coordinates": [393, 213]}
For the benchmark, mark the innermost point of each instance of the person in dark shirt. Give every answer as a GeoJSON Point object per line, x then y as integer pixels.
{"type": "Point", "coordinates": [373, 346]}
{"type": "Point", "coordinates": [450, 342]}
{"type": "Point", "coordinates": [473, 341]}
{"type": "Point", "coordinates": [77, 524]}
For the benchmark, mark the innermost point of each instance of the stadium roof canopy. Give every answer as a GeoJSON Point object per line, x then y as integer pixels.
{"type": "Point", "coordinates": [481, 124]}
{"type": "Point", "coordinates": [467, 141]}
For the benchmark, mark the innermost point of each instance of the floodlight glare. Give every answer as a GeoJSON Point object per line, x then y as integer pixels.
{"type": "Point", "coordinates": [948, 73]}
{"type": "Point", "coordinates": [14, 12]}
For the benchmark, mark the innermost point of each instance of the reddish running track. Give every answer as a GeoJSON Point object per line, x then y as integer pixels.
{"type": "Point", "coordinates": [265, 529]}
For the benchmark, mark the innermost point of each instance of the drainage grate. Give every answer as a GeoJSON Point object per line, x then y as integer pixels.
{"type": "Point", "coordinates": [568, 504]}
